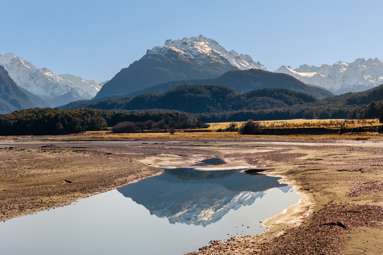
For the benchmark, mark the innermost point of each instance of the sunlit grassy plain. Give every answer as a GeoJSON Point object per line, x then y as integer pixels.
{"type": "Point", "coordinates": [211, 132]}
{"type": "Point", "coordinates": [303, 123]}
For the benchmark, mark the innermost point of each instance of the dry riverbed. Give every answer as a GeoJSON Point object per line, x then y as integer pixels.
{"type": "Point", "coordinates": [341, 183]}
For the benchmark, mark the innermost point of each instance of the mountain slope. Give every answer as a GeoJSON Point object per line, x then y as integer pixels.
{"type": "Point", "coordinates": [184, 59]}
{"type": "Point", "coordinates": [53, 88]}
{"type": "Point", "coordinates": [198, 99]}
{"type": "Point", "coordinates": [341, 77]}
{"type": "Point", "coordinates": [258, 79]}
{"type": "Point", "coordinates": [247, 80]}
{"type": "Point", "coordinates": [12, 97]}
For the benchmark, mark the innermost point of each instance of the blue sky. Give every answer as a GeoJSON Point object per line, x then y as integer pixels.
{"type": "Point", "coordinates": [95, 38]}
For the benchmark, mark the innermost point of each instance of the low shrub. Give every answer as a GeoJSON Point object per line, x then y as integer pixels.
{"type": "Point", "coordinates": [249, 127]}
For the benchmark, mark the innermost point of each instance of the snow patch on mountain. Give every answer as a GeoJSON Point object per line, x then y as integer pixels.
{"type": "Point", "coordinates": [202, 48]}
{"type": "Point", "coordinates": [290, 70]}
{"type": "Point", "coordinates": [47, 84]}
{"type": "Point", "coordinates": [341, 77]}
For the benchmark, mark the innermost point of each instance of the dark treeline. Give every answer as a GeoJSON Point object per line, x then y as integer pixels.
{"type": "Point", "coordinates": [50, 121]}
{"type": "Point", "coordinates": [153, 119]}
{"type": "Point", "coordinates": [139, 127]}
{"type": "Point", "coordinates": [373, 110]}
{"type": "Point", "coordinates": [55, 121]}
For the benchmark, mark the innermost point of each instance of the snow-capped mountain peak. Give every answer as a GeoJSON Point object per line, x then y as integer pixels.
{"type": "Point", "coordinates": [340, 77]}
{"type": "Point", "coordinates": [190, 58]}
{"type": "Point", "coordinates": [201, 47]}
{"type": "Point", "coordinates": [56, 89]}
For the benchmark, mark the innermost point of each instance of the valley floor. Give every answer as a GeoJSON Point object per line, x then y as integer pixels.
{"type": "Point", "coordinates": [341, 182]}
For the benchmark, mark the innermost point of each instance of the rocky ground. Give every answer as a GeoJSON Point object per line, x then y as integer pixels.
{"type": "Point", "coordinates": [341, 182]}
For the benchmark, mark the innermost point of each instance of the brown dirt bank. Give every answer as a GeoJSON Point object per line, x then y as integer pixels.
{"type": "Point", "coordinates": [197, 136]}
{"type": "Point", "coordinates": [323, 233]}
{"type": "Point", "coordinates": [33, 179]}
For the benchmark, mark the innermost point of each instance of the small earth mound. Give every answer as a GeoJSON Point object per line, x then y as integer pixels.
{"type": "Point", "coordinates": [211, 161]}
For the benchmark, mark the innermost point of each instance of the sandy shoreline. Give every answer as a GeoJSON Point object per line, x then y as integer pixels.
{"type": "Point", "coordinates": [294, 214]}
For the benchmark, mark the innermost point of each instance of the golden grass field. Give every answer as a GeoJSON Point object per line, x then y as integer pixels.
{"type": "Point", "coordinates": [303, 123]}
{"type": "Point", "coordinates": [211, 133]}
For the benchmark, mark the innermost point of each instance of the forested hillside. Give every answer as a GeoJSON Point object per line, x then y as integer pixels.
{"type": "Point", "coordinates": [200, 99]}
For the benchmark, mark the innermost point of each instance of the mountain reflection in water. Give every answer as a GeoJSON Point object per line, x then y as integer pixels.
{"type": "Point", "coordinates": [197, 197]}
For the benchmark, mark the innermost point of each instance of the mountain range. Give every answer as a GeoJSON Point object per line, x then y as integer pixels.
{"type": "Point", "coordinates": [201, 58]}
{"type": "Point", "coordinates": [341, 77]}
{"type": "Point", "coordinates": [198, 61]}
{"type": "Point", "coordinates": [52, 88]}
{"type": "Point", "coordinates": [192, 61]}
